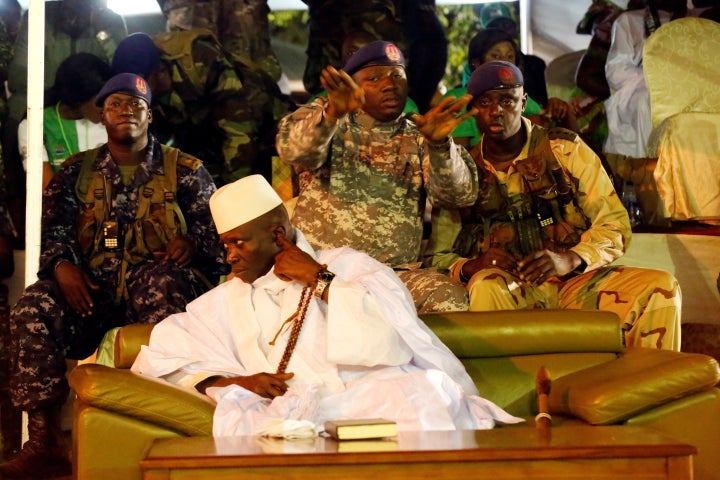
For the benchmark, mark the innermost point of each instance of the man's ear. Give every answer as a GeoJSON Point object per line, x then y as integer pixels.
{"type": "Point", "coordinates": [102, 117]}
{"type": "Point", "coordinates": [149, 114]}
{"type": "Point", "coordinates": [278, 233]}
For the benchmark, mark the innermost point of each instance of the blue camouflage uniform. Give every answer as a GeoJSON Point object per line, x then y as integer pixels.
{"type": "Point", "coordinates": [45, 331]}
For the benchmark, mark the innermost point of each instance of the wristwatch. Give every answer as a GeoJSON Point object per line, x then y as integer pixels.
{"type": "Point", "coordinates": [324, 277]}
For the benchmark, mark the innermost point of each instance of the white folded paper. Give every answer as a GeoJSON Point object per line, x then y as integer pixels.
{"type": "Point", "coordinates": [288, 429]}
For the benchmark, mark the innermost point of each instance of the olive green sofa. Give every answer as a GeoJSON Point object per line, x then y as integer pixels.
{"type": "Point", "coordinates": [117, 414]}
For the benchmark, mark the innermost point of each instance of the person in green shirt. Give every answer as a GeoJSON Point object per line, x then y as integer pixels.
{"type": "Point", "coordinates": [71, 120]}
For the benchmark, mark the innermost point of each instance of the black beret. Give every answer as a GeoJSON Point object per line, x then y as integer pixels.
{"type": "Point", "coordinates": [495, 75]}
{"type": "Point", "coordinates": [375, 53]}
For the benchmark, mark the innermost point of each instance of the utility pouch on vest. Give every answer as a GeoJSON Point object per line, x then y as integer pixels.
{"type": "Point", "coordinates": [526, 222]}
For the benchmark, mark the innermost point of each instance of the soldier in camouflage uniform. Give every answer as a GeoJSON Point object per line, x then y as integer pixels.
{"type": "Point", "coordinates": [71, 26]}
{"type": "Point", "coordinates": [547, 224]}
{"type": "Point", "coordinates": [127, 237]}
{"type": "Point", "coordinates": [240, 25]}
{"type": "Point", "coordinates": [209, 105]}
{"type": "Point", "coordinates": [366, 170]}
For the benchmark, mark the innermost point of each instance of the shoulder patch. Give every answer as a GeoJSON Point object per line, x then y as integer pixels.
{"type": "Point", "coordinates": [189, 161]}
{"type": "Point", "coordinates": [559, 133]}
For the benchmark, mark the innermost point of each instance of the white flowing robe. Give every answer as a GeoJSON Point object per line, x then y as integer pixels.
{"type": "Point", "coordinates": [364, 354]}
{"type": "Point", "coordinates": [628, 108]}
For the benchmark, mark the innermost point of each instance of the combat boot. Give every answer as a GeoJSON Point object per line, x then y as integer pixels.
{"type": "Point", "coordinates": [44, 455]}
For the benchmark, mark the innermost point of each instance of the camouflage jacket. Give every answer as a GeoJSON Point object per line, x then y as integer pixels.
{"type": "Point", "coordinates": [241, 26]}
{"type": "Point", "coordinates": [62, 210]}
{"type": "Point", "coordinates": [556, 195]}
{"type": "Point", "coordinates": [218, 109]}
{"type": "Point", "coordinates": [365, 184]}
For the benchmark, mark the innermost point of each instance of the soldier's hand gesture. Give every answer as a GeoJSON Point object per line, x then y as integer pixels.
{"type": "Point", "coordinates": [344, 94]}
{"type": "Point", "coordinates": [439, 122]}
{"type": "Point", "coordinates": [75, 286]}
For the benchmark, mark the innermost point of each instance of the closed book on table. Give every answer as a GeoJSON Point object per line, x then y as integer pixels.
{"type": "Point", "coordinates": [360, 428]}
{"type": "Point", "coordinates": [372, 445]}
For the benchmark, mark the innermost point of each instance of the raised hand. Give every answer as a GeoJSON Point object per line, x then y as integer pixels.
{"type": "Point", "coordinates": [344, 94]}
{"type": "Point", "coordinates": [439, 122]}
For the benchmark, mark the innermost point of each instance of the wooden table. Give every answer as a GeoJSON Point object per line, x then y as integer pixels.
{"type": "Point", "coordinates": [513, 452]}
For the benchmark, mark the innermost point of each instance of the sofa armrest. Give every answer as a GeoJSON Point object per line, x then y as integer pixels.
{"type": "Point", "coordinates": [149, 399]}
{"type": "Point", "coordinates": [639, 380]}
{"type": "Point", "coordinates": [128, 341]}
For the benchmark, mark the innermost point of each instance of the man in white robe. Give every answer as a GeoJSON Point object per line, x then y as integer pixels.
{"type": "Point", "coordinates": [361, 352]}
{"type": "Point", "coordinates": [628, 108]}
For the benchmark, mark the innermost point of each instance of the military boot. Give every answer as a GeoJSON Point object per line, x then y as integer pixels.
{"type": "Point", "coordinates": [44, 455]}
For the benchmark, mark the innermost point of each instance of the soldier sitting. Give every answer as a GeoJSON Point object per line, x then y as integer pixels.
{"type": "Point", "coordinates": [210, 103]}
{"type": "Point", "coordinates": [126, 237]}
{"type": "Point", "coordinates": [366, 170]}
{"type": "Point", "coordinates": [547, 224]}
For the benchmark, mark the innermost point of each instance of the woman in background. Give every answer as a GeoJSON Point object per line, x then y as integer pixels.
{"type": "Point", "coordinates": [71, 121]}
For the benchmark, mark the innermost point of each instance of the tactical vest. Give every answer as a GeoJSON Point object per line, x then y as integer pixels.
{"type": "Point", "coordinates": [158, 218]}
{"type": "Point", "coordinates": [545, 214]}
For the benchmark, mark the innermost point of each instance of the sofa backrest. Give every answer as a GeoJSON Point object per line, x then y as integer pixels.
{"type": "Point", "coordinates": [502, 351]}
{"type": "Point", "coordinates": [526, 332]}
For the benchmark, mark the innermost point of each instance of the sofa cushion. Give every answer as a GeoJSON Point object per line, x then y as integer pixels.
{"type": "Point", "coordinates": [145, 398]}
{"type": "Point", "coordinates": [526, 332]}
{"type": "Point", "coordinates": [638, 381]}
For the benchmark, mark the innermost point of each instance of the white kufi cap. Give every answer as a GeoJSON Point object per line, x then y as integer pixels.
{"type": "Point", "coordinates": [243, 200]}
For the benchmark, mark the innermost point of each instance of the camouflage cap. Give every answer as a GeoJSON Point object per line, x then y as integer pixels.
{"type": "Point", "coordinates": [128, 83]}
{"type": "Point", "coordinates": [494, 75]}
{"type": "Point", "coordinates": [375, 53]}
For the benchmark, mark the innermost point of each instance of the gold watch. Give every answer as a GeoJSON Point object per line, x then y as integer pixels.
{"type": "Point", "coordinates": [324, 277]}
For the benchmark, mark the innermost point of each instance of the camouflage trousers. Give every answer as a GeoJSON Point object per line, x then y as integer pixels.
{"type": "Point", "coordinates": [44, 331]}
{"type": "Point", "coordinates": [433, 291]}
{"type": "Point", "coordinates": [647, 301]}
